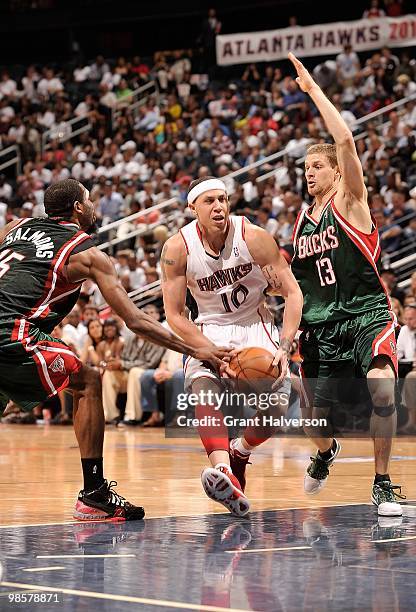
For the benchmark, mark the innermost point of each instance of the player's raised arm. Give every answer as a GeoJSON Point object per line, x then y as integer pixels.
{"type": "Point", "coordinates": [174, 284]}
{"type": "Point", "coordinates": [352, 180]}
{"type": "Point", "coordinates": [278, 274]}
{"type": "Point", "coordinates": [96, 265]}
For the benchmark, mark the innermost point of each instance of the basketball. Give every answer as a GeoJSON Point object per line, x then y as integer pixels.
{"type": "Point", "coordinates": [252, 366]}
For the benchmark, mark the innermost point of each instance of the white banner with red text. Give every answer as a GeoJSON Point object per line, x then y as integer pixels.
{"type": "Point", "coordinates": [321, 39]}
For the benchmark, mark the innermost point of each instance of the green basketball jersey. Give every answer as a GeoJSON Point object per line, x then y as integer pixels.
{"type": "Point", "coordinates": [34, 290]}
{"type": "Point", "coordinates": [337, 268]}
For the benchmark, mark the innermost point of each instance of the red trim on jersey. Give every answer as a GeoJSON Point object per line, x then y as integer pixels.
{"type": "Point", "coordinates": [184, 241]}
{"type": "Point", "coordinates": [198, 231]}
{"type": "Point", "coordinates": [267, 331]}
{"type": "Point", "coordinates": [370, 239]}
{"type": "Point", "coordinates": [185, 365]}
{"type": "Point", "coordinates": [366, 243]}
{"type": "Point", "coordinates": [301, 214]}
{"type": "Point", "coordinates": [54, 270]}
{"type": "Point", "coordinates": [15, 331]}
{"type": "Point", "coordinates": [385, 344]}
{"type": "Point", "coordinates": [243, 229]}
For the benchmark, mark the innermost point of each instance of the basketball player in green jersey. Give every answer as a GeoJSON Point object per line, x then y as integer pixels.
{"type": "Point", "coordinates": [43, 263]}
{"type": "Point", "coordinates": [348, 327]}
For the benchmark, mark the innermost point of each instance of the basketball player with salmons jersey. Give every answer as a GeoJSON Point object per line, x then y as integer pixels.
{"type": "Point", "coordinates": [348, 326]}
{"type": "Point", "coordinates": [227, 263]}
{"type": "Point", "coordinates": [43, 263]}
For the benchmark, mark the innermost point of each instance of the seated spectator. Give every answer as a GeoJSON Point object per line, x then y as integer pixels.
{"type": "Point", "coordinates": [170, 375]}
{"type": "Point", "coordinates": [374, 11]}
{"type": "Point", "coordinates": [406, 352]}
{"type": "Point", "coordinates": [73, 331]}
{"type": "Point", "coordinates": [111, 344]}
{"type": "Point", "coordinates": [89, 355]}
{"type": "Point", "coordinates": [122, 374]}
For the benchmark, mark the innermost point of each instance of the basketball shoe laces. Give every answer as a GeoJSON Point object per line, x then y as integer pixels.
{"type": "Point", "coordinates": [116, 498]}
{"type": "Point", "coordinates": [386, 492]}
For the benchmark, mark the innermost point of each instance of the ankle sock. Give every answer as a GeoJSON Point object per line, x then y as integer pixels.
{"type": "Point", "coordinates": [327, 455]}
{"type": "Point", "coordinates": [380, 477]}
{"type": "Point", "coordinates": [93, 473]}
{"type": "Point", "coordinates": [239, 447]}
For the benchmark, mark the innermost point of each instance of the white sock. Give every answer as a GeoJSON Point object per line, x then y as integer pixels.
{"type": "Point", "coordinates": [239, 446]}
{"type": "Point", "coordinates": [223, 465]}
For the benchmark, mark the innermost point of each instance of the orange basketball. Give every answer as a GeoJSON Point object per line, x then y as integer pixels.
{"type": "Point", "coordinates": [252, 366]}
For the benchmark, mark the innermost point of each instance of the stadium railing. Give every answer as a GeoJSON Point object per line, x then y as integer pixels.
{"type": "Point", "coordinates": [401, 265]}
{"type": "Point", "coordinates": [134, 100]}
{"type": "Point", "coordinates": [11, 157]}
{"type": "Point", "coordinates": [112, 228]}
{"type": "Point", "coordinates": [71, 128]}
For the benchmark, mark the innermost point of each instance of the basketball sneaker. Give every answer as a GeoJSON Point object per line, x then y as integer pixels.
{"type": "Point", "coordinates": [385, 498]}
{"type": "Point", "coordinates": [105, 504]}
{"type": "Point", "coordinates": [238, 464]}
{"type": "Point", "coordinates": [222, 486]}
{"type": "Point", "coordinates": [318, 470]}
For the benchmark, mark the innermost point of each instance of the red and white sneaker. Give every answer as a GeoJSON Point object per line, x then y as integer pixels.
{"type": "Point", "coordinates": [222, 486]}
{"type": "Point", "coordinates": [238, 464]}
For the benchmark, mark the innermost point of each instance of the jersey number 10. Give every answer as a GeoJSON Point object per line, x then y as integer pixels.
{"type": "Point", "coordinates": [238, 296]}
{"type": "Point", "coordinates": [326, 272]}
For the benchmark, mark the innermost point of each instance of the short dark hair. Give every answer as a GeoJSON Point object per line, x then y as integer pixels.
{"type": "Point", "coordinates": [61, 196]}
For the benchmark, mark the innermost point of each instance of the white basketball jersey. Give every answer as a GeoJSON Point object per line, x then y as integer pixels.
{"type": "Point", "coordinates": [228, 289]}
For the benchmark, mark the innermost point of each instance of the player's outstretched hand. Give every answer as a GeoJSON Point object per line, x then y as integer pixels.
{"type": "Point", "coordinates": [280, 361]}
{"type": "Point", "coordinates": [215, 356]}
{"type": "Point", "coordinates": [304, 79]}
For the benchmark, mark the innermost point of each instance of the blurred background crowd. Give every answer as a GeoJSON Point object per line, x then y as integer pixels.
{"type": "Point", "coordinates": [136, 129]}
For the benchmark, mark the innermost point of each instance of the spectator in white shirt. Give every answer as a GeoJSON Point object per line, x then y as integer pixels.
{"type": "Point", "coordinates": [348, 65]}
{"type": "Point", "coordinates": [18, 130]}
{"type": "Point", "coordinates": [83, 170]}
{"type": "Point", "coordinates": [29, 83]}
{"type": "Point", "coordinates": [98, 69]}
{"type": "Point", "coordinates": [406, 352]}
{"type": "Point", "coordinates": [5, 189]}
{"type": "Point", "coordinates": [8, 86]}
{"type": "Point", "coordinates": [49, 84]}
{"type": "Point", "coordinates": [73, 331]}
{"type": "Point", "coordinates": [47, 119]}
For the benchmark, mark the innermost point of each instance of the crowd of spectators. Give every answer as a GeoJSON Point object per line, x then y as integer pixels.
{"type": "Point", "coordinates": [132, 160]}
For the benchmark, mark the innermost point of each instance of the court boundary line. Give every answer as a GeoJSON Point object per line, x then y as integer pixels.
{"type": "Point", "coordinates": [261, 550]}
{"type": "Point", "coordinates": [125, 598]}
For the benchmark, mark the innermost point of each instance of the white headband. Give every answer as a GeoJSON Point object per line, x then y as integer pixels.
{"type": "Point", "coordinates": [203, 187]}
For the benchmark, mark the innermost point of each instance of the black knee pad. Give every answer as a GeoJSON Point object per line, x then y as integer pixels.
{"type": "Point", "coordinates": [384, 411]}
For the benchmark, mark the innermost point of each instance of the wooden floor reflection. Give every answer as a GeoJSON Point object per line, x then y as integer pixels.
{"type": "Point", "coordinates": [41, 474]}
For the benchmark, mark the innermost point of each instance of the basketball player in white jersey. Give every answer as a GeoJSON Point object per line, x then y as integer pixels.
{"type": "Point", "coordinates": [227, 263]}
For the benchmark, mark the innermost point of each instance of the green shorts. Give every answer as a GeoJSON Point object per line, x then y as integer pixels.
{"type": "Point", "coordinates": [33, 368]}
{"type": "Point", "coordinates": [343, 350]}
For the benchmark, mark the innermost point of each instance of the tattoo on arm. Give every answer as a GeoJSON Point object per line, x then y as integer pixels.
{"type": "Point", "coordinates": [165, 261]}
{"type": "Point", "coordinates": [272, 277]}
{"type": "Point", "coordinates": [285, 345]}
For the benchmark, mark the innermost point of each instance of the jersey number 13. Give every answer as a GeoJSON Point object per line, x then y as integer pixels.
{"type": "Point", "coordinates": [326, 271]}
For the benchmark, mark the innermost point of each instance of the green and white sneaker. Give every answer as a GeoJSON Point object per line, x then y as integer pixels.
{"type": "Point", "coordinates": [385, 498]}
{"type": "Point", "coordinates": [318, 470]}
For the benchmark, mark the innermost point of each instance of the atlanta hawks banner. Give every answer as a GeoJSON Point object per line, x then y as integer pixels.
{"type": "Point", "coordinates": [322, 39]}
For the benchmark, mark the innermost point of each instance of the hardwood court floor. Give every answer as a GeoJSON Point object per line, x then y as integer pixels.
{"type": "Point", "coordinates": [41, 473]}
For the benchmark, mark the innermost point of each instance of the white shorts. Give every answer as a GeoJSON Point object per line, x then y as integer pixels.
{"type": "Point", "coordinates": [260, 333]}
